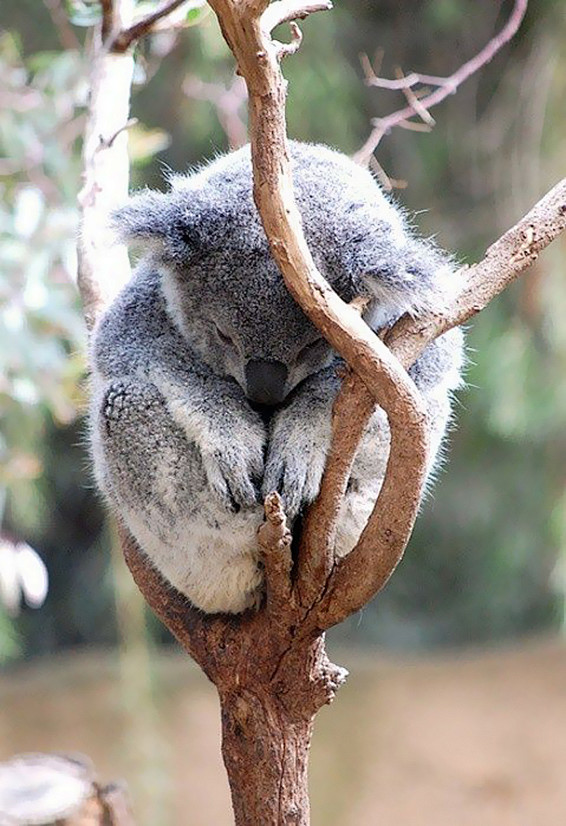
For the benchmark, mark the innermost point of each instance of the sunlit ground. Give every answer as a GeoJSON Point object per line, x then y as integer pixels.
{"type": "Point", "coordinates": [472, 739]}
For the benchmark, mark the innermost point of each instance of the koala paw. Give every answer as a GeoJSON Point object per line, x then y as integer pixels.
{"type": "Point", "coordinates": [127, 401]}
{"type": "Point", "coordinates": [234, 472]}
{"type": "Point", "coordinates": [116, 403]}
{"type": "Point", "coordinates": [296, 457]}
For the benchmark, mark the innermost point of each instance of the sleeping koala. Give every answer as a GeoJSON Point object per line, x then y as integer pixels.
{"type": "Point", "coordinates": [211, 388]}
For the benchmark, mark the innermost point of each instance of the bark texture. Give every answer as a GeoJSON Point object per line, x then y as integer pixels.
{"type": "Point", "coordinates": [266, 750]}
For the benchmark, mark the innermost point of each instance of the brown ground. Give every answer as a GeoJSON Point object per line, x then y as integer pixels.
{"type": "Point", "coordinates": [469, 740]}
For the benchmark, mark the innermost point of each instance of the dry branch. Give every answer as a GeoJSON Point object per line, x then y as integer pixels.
{"type": "Point", "coordinates": [391, 523]}
{"type": "Point", "coordinates": [446, 86]}
{"type": "Point", "coordinates": [103, 268]}
{"type": "Point", "coordinates": [503, 262]}
{"type": "Point", "coordinates": [127, 37]}
{"type": "Point", "coordinates": [286, 11]}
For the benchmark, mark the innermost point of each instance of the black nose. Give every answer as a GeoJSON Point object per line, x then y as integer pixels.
{"type": "Point", "coordinates": [265, 381]}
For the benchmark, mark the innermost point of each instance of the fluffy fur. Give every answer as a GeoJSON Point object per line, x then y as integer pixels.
{"type": "Point", "coordinates": [210, 386]}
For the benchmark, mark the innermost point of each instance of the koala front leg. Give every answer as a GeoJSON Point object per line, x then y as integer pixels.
{"type": "Point", "coordinates": [155, 478]}
{"type": "Point", "coordinates": [229, 434]}
{"type": "Point", "coordinates": [298, 441]}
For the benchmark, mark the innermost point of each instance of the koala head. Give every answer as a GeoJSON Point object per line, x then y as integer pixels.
{"type": "Point", "coordinates": [224, 291]}
{"type": "Point", "coordinates": [222, 287]}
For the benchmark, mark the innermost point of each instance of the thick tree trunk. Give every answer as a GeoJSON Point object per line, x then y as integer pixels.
{"type": "Point", "coordinates": [265, 752]}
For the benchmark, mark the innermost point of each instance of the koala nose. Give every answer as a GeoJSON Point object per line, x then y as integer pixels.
{"type": "Point", "coordinates": [265, 381]}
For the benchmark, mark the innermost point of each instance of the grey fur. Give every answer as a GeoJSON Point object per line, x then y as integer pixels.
{"type": "Point", "coordinates": [205, 323]}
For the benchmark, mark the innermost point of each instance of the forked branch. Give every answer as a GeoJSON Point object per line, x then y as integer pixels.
{"type": "Point", "coordinates": [446, 85]}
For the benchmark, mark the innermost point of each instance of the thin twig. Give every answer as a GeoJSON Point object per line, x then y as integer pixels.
{"type": "Point", "coordinates": [411, 125]}
{"type": "Point", "coordinates": [382, 126]}
{"type": "Point", "coordinates": [416, 105]}
{"type": "Point", "coordinates": [285, 11]}
{"type": "Point", "coordinates": [404, 82]}
{"type": "Point", "coordinates": [143, 27]}
{"type": "Point", "coordinates": [286, 49]}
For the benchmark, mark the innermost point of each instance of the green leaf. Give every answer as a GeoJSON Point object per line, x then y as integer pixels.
{"type": "Point", "coordinates": [196, 13]}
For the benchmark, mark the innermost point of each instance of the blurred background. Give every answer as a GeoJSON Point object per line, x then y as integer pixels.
{"type": "Point", "coordinates": [458, 686]}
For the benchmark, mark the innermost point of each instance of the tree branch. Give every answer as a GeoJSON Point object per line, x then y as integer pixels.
{"type": "Point", "coordinates": [348, 587]}
{"type": "Point", "coordinates": [103, 268]}
{"type": "Point", "coordinates": [352, 411]}
{"type": "Point", "coordinates": [127, 37]}
{"type": "Point", "coordinates": [341, 325]}
{"type": "Point", "coordinates": [446, 86]}
{"type": "Point", "coordinates": [503, 262]}
{"type": "Point", "coordinates": [285, 11]}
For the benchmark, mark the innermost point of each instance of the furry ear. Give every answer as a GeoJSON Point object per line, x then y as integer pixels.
{"type": "Point", "coordinates": [180, 225]}
{"type": "Point", "coordinates": [145, 219]}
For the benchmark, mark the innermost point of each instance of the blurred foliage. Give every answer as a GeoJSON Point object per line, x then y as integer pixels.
{"type": "Point", "coordinates": [483, 562]}
{"type": "Point", "coordinates": [41, 331]}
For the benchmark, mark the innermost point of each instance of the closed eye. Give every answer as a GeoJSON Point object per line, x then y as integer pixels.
{"type": "Point", "coordinates": [224, 337]}
{"type": "Point", "coordinates": [310, 349]}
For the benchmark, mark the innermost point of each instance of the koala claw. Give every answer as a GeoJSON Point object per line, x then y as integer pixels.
{"type": "Point", "coordinates": [115, 400]}
{"type": "Point", "coordinates": [233, 474]}
{"type": "Point", "coordinates": [125, 402]}
{"type": "Point", "coordinates": [295, 477]}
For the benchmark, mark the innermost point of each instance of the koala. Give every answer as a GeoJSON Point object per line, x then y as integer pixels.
{"type": "Point", "coordinates": [210, 386]}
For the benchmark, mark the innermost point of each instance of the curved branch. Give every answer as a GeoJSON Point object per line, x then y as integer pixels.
{"type": "Point", "coordinates": [352, 411]}
{"type": "Point", "coordinates": [356, 578]}
{"type": "Point", "coordinates": [285, 11]}
{"type": "Point", "coordinates": [340, 323]}
{"type": "Point", "coordinates": [348, 588]}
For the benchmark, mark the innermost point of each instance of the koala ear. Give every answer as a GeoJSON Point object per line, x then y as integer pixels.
{"type": "Point", "coordinates": [175, 224]}
{"type": "Point", "coordinates": [145, 219]}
